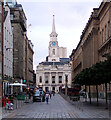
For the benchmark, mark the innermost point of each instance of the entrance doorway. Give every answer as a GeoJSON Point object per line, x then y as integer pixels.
{"type": "Point", "coordinates": [46, 89]}
{"type": "Point", "coordinates": [53, 89]}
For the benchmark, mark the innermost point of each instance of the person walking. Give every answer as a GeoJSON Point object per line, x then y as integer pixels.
{"type": "Point", "coordinates": [53, 93]}
{"type": "Point", "coordinates": [50, 94]}
{"type": "Point", "coordinates": [41, 96]}
{"type": "Point", "coordinates": [47, 97]}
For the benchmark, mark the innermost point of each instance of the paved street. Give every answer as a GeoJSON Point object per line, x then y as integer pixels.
{"type": "Point", "coordinates": [58, 107]}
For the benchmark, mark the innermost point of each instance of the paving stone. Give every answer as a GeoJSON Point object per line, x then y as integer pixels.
{"type": "Point", "coordinates": [58, 107]}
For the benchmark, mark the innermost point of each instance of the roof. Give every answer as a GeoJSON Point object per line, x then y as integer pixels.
{"type": "Point", "coordinates": [64, 59]}
{"type": "Point", "coordinates": [54, 63]}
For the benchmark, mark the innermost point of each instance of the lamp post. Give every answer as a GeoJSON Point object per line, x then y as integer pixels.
{"type": "Point", "coordinates": [66, 80]}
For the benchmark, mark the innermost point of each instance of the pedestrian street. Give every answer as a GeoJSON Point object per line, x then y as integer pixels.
{"type": "Point", "coordinates": [57, 107]}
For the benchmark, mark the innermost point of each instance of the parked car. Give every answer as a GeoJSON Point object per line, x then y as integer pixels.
{"type": "Point", "coordinates": [36, 96]}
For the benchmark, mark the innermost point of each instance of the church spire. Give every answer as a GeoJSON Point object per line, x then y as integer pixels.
{"type": "Point", "coordinates": [53, 25]}
{"type": "Point", "coordinates": [53, 34]}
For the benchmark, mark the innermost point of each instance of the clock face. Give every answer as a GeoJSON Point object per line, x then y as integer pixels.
{"type": "Point", "coordinates": [53, 43]}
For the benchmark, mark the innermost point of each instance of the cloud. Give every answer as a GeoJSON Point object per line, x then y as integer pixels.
{"type": "Point", "coordinates": [70, 20]}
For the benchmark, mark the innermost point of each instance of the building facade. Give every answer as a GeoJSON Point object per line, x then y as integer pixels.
{"type": "Point", "coordinates": [51, 74]}
{"type": "Point", "coordinates": [18, 21]}
{"type": "Point", "coordinates": [95, 42]}
{"type": "Point", "coordinates": [30, 64]}
{"type": "Point", "coordinates": [8, 52]}
{"type": "Point", "coordinates": [1, 51]}
{"type": "Point", "coordinates": [34, 78]}
{"type": "Point", "coordinates": [22, 47]}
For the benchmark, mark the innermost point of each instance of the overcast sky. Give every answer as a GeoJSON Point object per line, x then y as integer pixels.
{"type": "Point", "coordinates": [71, 17]}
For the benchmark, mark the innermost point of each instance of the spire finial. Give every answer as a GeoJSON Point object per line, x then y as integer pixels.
{"type": "Point", "coordinates": [53, 25]}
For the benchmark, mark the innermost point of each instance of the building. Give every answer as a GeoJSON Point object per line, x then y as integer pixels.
{"type": "Point", "coordinates": [18, 21]}
{"type": "Point", "coordinates": [22, 47]}
{"type": "Point", "coordinates": [34, 78]}
{"type": "Point", "coordinates": [104, 46]}
{"type": "Point", "coordinates": [30, 64]}
{"type": "Point", "coordinates": [1, 50]}
{"type": "Point", "coordinates": [8, 52]}
{"type": "Point", "coordinates": [95, 42]}
{"type": "Point", "coordinates": [51, 74]}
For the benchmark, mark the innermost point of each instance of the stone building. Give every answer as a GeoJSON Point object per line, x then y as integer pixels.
{"type": "Point", "coordinates": [18, 20]}
{"type": "Point", "coordinates": [104, 14]}
{"type": "Point", "coordinates": [104, 33]}
{"type": "Point", "coordinates": [30, 64]}
{"type": "Point", "coordinates": [34, 78]}
{"type": "Point", "coordinates": [8, 52]}
{"type": "Point", "coordinates": [95, 41]}
{"type": "Point", "coordinates": [1, 52]}
{"type": "Point", "coordinates": [51, 74]}
{"type": "Point", "coordinates": [1, 38]}
{"type": "Point", "coordinates": [22, 47]}
{"type": "Point", "coordinates": [25, 59]}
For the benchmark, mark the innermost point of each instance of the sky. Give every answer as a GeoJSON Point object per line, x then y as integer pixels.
{"type": "Point", "coordinates": [71, 17]}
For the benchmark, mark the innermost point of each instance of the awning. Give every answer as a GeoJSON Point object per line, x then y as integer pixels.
{"type": "Point", "coordinates": [17, 84]}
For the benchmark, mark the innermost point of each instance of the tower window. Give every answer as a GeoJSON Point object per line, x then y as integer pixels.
{"type": "Point", "coordinates": [53, 51]}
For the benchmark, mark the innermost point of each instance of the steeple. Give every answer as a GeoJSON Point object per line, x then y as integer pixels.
{"type": "Point", "coordinates": [53, 25]}
{"type": "Point", "coordinates": [53, 34]}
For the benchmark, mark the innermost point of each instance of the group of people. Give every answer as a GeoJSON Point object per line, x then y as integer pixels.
{"type": "Point", "coordinates": [7, 103]}
{"type": "Point", "coordinates": [46, 96]}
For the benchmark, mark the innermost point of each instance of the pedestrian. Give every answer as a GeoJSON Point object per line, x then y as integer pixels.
{"type": "Point", "coordinates": [47, 97]}
{"type": "Point", "coordinates": [29, 95]}
{"type": "Point", "coordinates": [10, 105]}
{"type": "Point", "coordinates": [50, 94]}
{"type": "Point", "coordinates": [53, 93]}
{"type": "Point", "coordinates": [41, 96]}
{"type": "Point", "coordinates": [4, 101]}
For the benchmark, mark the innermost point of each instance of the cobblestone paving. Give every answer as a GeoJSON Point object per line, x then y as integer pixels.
{"type": "Point", "coordinates": [57, 108]}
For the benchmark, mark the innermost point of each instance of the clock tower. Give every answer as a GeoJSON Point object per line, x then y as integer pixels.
{"type": "Point", "coordinates": [53, 45]}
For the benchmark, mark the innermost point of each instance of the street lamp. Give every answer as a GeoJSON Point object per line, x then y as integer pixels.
{"type": "Point", "coordinates": [66, 80]}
